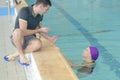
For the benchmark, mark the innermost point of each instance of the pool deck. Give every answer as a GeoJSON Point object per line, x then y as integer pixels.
{"type": "Point", "coordinates": [8, 70]}
{"type": "Point", "coordinates": [56, 68]}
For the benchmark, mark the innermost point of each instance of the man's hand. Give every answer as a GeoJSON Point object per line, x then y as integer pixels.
{"type": "Point", "coordinates": [44, 30]}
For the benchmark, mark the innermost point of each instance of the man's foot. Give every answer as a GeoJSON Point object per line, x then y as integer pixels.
{"type": "Point", "coordinates": [53, 39]}
{"type": "Point", "coordinates": [9, 58]}
{"type": "Point", "coordinates": [23, 61]}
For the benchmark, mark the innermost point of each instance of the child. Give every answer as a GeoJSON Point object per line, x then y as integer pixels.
{"type": "Point", "coordinates": [90, 55]}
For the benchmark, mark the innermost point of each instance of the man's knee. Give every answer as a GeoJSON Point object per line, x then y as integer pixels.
{"type": "Point", "coordinates": [17, 36]}
{"type": "Point", "coordinates": [17, 33]}
{"type": "Point", "coordinates": [37, 44]}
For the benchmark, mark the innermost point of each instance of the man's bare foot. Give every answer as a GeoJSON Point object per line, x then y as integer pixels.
{"type": "Point", "coordinates": [53, 39]}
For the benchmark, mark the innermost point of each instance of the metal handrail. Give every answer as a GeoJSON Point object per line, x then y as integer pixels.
{"type": "Point", "coordinates": [9, 12]}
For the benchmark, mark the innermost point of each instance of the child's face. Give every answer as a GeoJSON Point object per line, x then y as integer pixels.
{"type": "Point", "coordinates": [87, 55]}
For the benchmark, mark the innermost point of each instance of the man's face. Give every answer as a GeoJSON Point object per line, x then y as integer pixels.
{"type": "Point", "coordinates": [43, 9]}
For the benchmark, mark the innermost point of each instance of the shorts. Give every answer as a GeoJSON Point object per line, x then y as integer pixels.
{"type": "Point", "coordinates": [27, 39]}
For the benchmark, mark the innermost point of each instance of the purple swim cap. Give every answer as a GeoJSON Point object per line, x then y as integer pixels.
{"type": "Point", "coordinates": [94, 53]}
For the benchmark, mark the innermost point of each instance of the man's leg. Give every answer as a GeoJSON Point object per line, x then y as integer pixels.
{"type": "Point", "coordinates": [33, 46]}
{"type": "Point", "coordinates": [18, 40]}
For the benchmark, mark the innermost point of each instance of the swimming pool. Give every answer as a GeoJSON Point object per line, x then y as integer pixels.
{"type": "Point", "coordinates": [81, 23]}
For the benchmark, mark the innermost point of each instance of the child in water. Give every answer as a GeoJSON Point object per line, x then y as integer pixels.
{"type": "Point", "coordinates": [90, 55]}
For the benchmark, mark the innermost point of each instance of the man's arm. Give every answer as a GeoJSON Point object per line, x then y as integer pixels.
{"type": "Point", "coordinates": [26, 32]}
{"type": "Point", "coordinates": [46, 36]}
{"type": "Point", "coordinates": [52, 39]}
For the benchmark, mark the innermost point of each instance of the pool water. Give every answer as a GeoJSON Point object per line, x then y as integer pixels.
{"type": "Point", "coordinates": [81, 23]}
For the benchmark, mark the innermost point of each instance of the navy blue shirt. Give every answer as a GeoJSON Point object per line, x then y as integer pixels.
{"type": "Point", "coordinates": [26, 14]}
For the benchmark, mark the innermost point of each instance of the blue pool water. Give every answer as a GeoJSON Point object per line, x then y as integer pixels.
{"type": "Point", "coordinates": [80, 23]}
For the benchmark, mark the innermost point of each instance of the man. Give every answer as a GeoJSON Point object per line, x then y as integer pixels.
{"type": "Point", "coordinates": [26, 26]}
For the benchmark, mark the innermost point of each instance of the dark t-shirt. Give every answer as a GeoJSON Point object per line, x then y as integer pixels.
{"type": "Point", "coordinates": [26, 14]}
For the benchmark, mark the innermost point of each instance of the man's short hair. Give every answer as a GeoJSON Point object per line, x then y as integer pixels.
{"type": "Point", "coordinates": [44, 2]}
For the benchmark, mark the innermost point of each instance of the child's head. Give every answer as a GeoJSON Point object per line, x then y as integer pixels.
{"type": "Point", "coordinates": [90, 54]}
